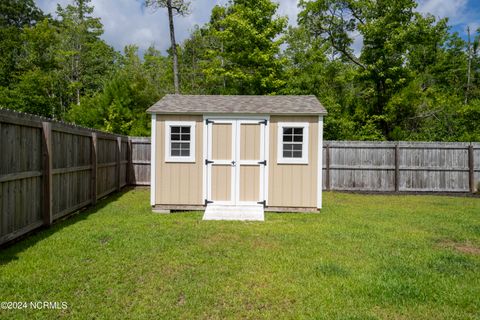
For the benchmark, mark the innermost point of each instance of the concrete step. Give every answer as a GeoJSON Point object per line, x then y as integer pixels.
{"type": "Point", "coordinates": [241, 213]}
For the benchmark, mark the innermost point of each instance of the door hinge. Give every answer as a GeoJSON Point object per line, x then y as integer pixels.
{"type": "Point", "coordinates": [264, 162]}
{"type": "Point", "coordinates": [264, 202]}
{"type": "Point", "coordinates": [207, 162]}
{"type": "Point", "coordinates": [208, 121]}
{"type": "Point", "coordinates": [263, 122]}
{"type": "Point", "coordinates": [208, 201]}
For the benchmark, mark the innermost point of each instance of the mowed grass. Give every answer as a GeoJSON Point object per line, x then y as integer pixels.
{"type": "Point", "coordinates": [363, 257]}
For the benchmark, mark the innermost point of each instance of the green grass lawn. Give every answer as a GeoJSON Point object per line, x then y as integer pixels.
{"type": "Point", "coordinates": [363, 257]}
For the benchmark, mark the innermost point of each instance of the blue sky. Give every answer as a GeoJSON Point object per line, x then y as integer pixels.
{"type": "Point", "coordinates": [127, 22]}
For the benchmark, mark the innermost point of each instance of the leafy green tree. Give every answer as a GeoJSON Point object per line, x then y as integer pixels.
{"type": "Point", "coordinates": [36, 86]}
{"type": "Point", "coordinates": [14, 16]}
{"type": "Point", "coordinates": [83, 57]}
{"type": "Point", "coordinates": [120, 107]}
{"type": "Point", "coordinates": [389, 29]}
{"type": "Point", "coordinates": [244, 52]}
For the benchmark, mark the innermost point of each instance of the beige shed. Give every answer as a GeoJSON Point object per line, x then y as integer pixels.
{"type": "Point", "coordinates": [263, 151]}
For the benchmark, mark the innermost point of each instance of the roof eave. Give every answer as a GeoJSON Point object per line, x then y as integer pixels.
{"type": "Point", "coordinates": [240, 113]}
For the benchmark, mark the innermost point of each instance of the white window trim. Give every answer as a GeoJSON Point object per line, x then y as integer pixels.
{"type": "Point", "coordinates": [304, 158]}
{"type": "Point", "coordinates": [168, 125]}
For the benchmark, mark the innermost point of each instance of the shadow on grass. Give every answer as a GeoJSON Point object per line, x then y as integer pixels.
{"type": "Point", "coordinates": [9, 251]}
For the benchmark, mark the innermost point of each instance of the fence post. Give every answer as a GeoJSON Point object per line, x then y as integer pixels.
{"type": "Point", "coordinates": [327, 166]}
{"type": "Point", "coordinates": [119, 157]}
{"type": "Point", "coordinates": [93, 160]}
{"type": "Point", "coordinates": [397, 167]}
{"type": "Point", "coordinates": [129, 164]}
{"type": "Point", "coordinates": [471, 168]}
{"type": "Point", "coordinates": [47, 173]}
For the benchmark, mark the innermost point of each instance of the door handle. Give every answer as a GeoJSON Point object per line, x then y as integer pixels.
{"type": "Point", "coordinates": [233, 163]}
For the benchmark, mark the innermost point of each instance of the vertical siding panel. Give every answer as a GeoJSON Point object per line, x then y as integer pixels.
{"type": "Point", "coordinates": [179, 183]}
{"type": "Point", "coordinates": [293, 185]}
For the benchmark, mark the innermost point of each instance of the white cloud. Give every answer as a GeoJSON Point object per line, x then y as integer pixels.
{"type": "Point", "coordinates": [290, 9]}
{"type": "Point", "coordinates": [454, 9]}
{"type": "Point", "coordinates": [128, 22]}
{"type": "Point", "coordinates": [458, 12]}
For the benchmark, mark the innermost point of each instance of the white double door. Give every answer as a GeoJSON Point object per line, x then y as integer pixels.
{"type": "Point", "coordinates": [235, 161]}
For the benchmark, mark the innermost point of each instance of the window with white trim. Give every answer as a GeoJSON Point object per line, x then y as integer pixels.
{"type": "Point", "coordinates": [292, 142]}
{"type": "Point", "coordinates": [180, 141]}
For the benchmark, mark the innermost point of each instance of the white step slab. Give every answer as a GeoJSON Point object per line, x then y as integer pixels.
{"type": "Point", "coordinates": [241, 213]}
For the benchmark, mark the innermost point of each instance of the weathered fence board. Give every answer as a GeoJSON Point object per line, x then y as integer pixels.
{"type": "Point", "coordinates": [139, 170]}
{"type": "Point", "coordinates": [476, 165]}
{"type": "Point", "coordinates": [433, 167]}
{"type": "Point", "coordinates": [71, 171]}
{"type": "Point", "coordinates": [21, 188]}
{"type": "Point", "coordinates": [361, 166]}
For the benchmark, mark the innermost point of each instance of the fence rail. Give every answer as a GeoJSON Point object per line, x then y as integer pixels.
{"type": "Point", "coordinates": [50, 169]}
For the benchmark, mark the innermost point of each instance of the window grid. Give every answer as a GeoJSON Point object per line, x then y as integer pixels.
{"type": "Point", "coordinates": [180, 141]}
{"type": "Point", "coordinates": [292, 142]}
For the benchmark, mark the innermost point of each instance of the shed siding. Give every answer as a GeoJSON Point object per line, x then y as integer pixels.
{"type": "Point", "coordinates": [293, 185]}
{"type": "Point", "coordinates": [178, 183]}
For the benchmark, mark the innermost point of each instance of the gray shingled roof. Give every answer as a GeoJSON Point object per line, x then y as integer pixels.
{"type": "Point", "coordinates": [203, 104]}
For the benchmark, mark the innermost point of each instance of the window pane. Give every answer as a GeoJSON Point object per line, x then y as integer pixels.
{"type": "Point", "coordinates": [298, 130]}
{"type": "Point", "coordinates": [297, 154]}
{"type": "Point", "coordinates": [186, 137]}
{"type": "Point", "coordinates": [175, 145]}
{"type": "Point", "coordinates": [175, 137]}
{"type": "Point", "coordinates": [287, 138]}
{"type": "Point", "coordinates": [287, 154]}
{"type": "Point", "coordinates": [298, 138]}
{"type": "Point", "coordinates": [185, 153]}
{"type": "Point", "coordinates": [287, 130]}
{"type": "Point", "coordinates": [297, 147]}
{"type": "Point", "coordinates": [185, 145]}
{"type": "Point", "coordinates": [175, 153]}
{"type": "Point", "coordinates": [185, 129]}
{"type": "Point", "coordinates": [175, 129]}
{"type": "Point", "coordinates": [287, 147]}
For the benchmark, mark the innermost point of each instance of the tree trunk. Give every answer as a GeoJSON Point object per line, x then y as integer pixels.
{"type": "Point", "coordinates": [469, 67]}
{"type": "Point", "coordinates": [174, 46]}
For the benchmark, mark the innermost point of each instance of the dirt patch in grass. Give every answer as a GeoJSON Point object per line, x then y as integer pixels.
{"type": "Point", "coordinates": [461, 247]}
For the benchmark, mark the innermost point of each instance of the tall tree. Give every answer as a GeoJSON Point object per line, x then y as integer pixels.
{"type": "Point", "coordinates": [177, 7]}
{"type": "Point", "coordinates": [120, 106]}
{"type": "Point", "coordinates": [14, 16]}
{"type": "Point", "coordinates": [244, 55]}
{"type": "Point", "coordinates": [388, 29]}
{"type": "Point", "coordinates": [84, 57]}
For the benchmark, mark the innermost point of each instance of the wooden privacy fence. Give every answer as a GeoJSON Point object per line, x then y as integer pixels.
{"type": "Point", "coordinates": [376, 166]}
{"type": "Point", "coordinates": [401, 166]}
{"type": "Point", "coordinates": [49, 169]}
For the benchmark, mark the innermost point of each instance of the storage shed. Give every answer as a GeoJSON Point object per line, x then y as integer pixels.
{"type": "Point", "coordinates": [236, 152]}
